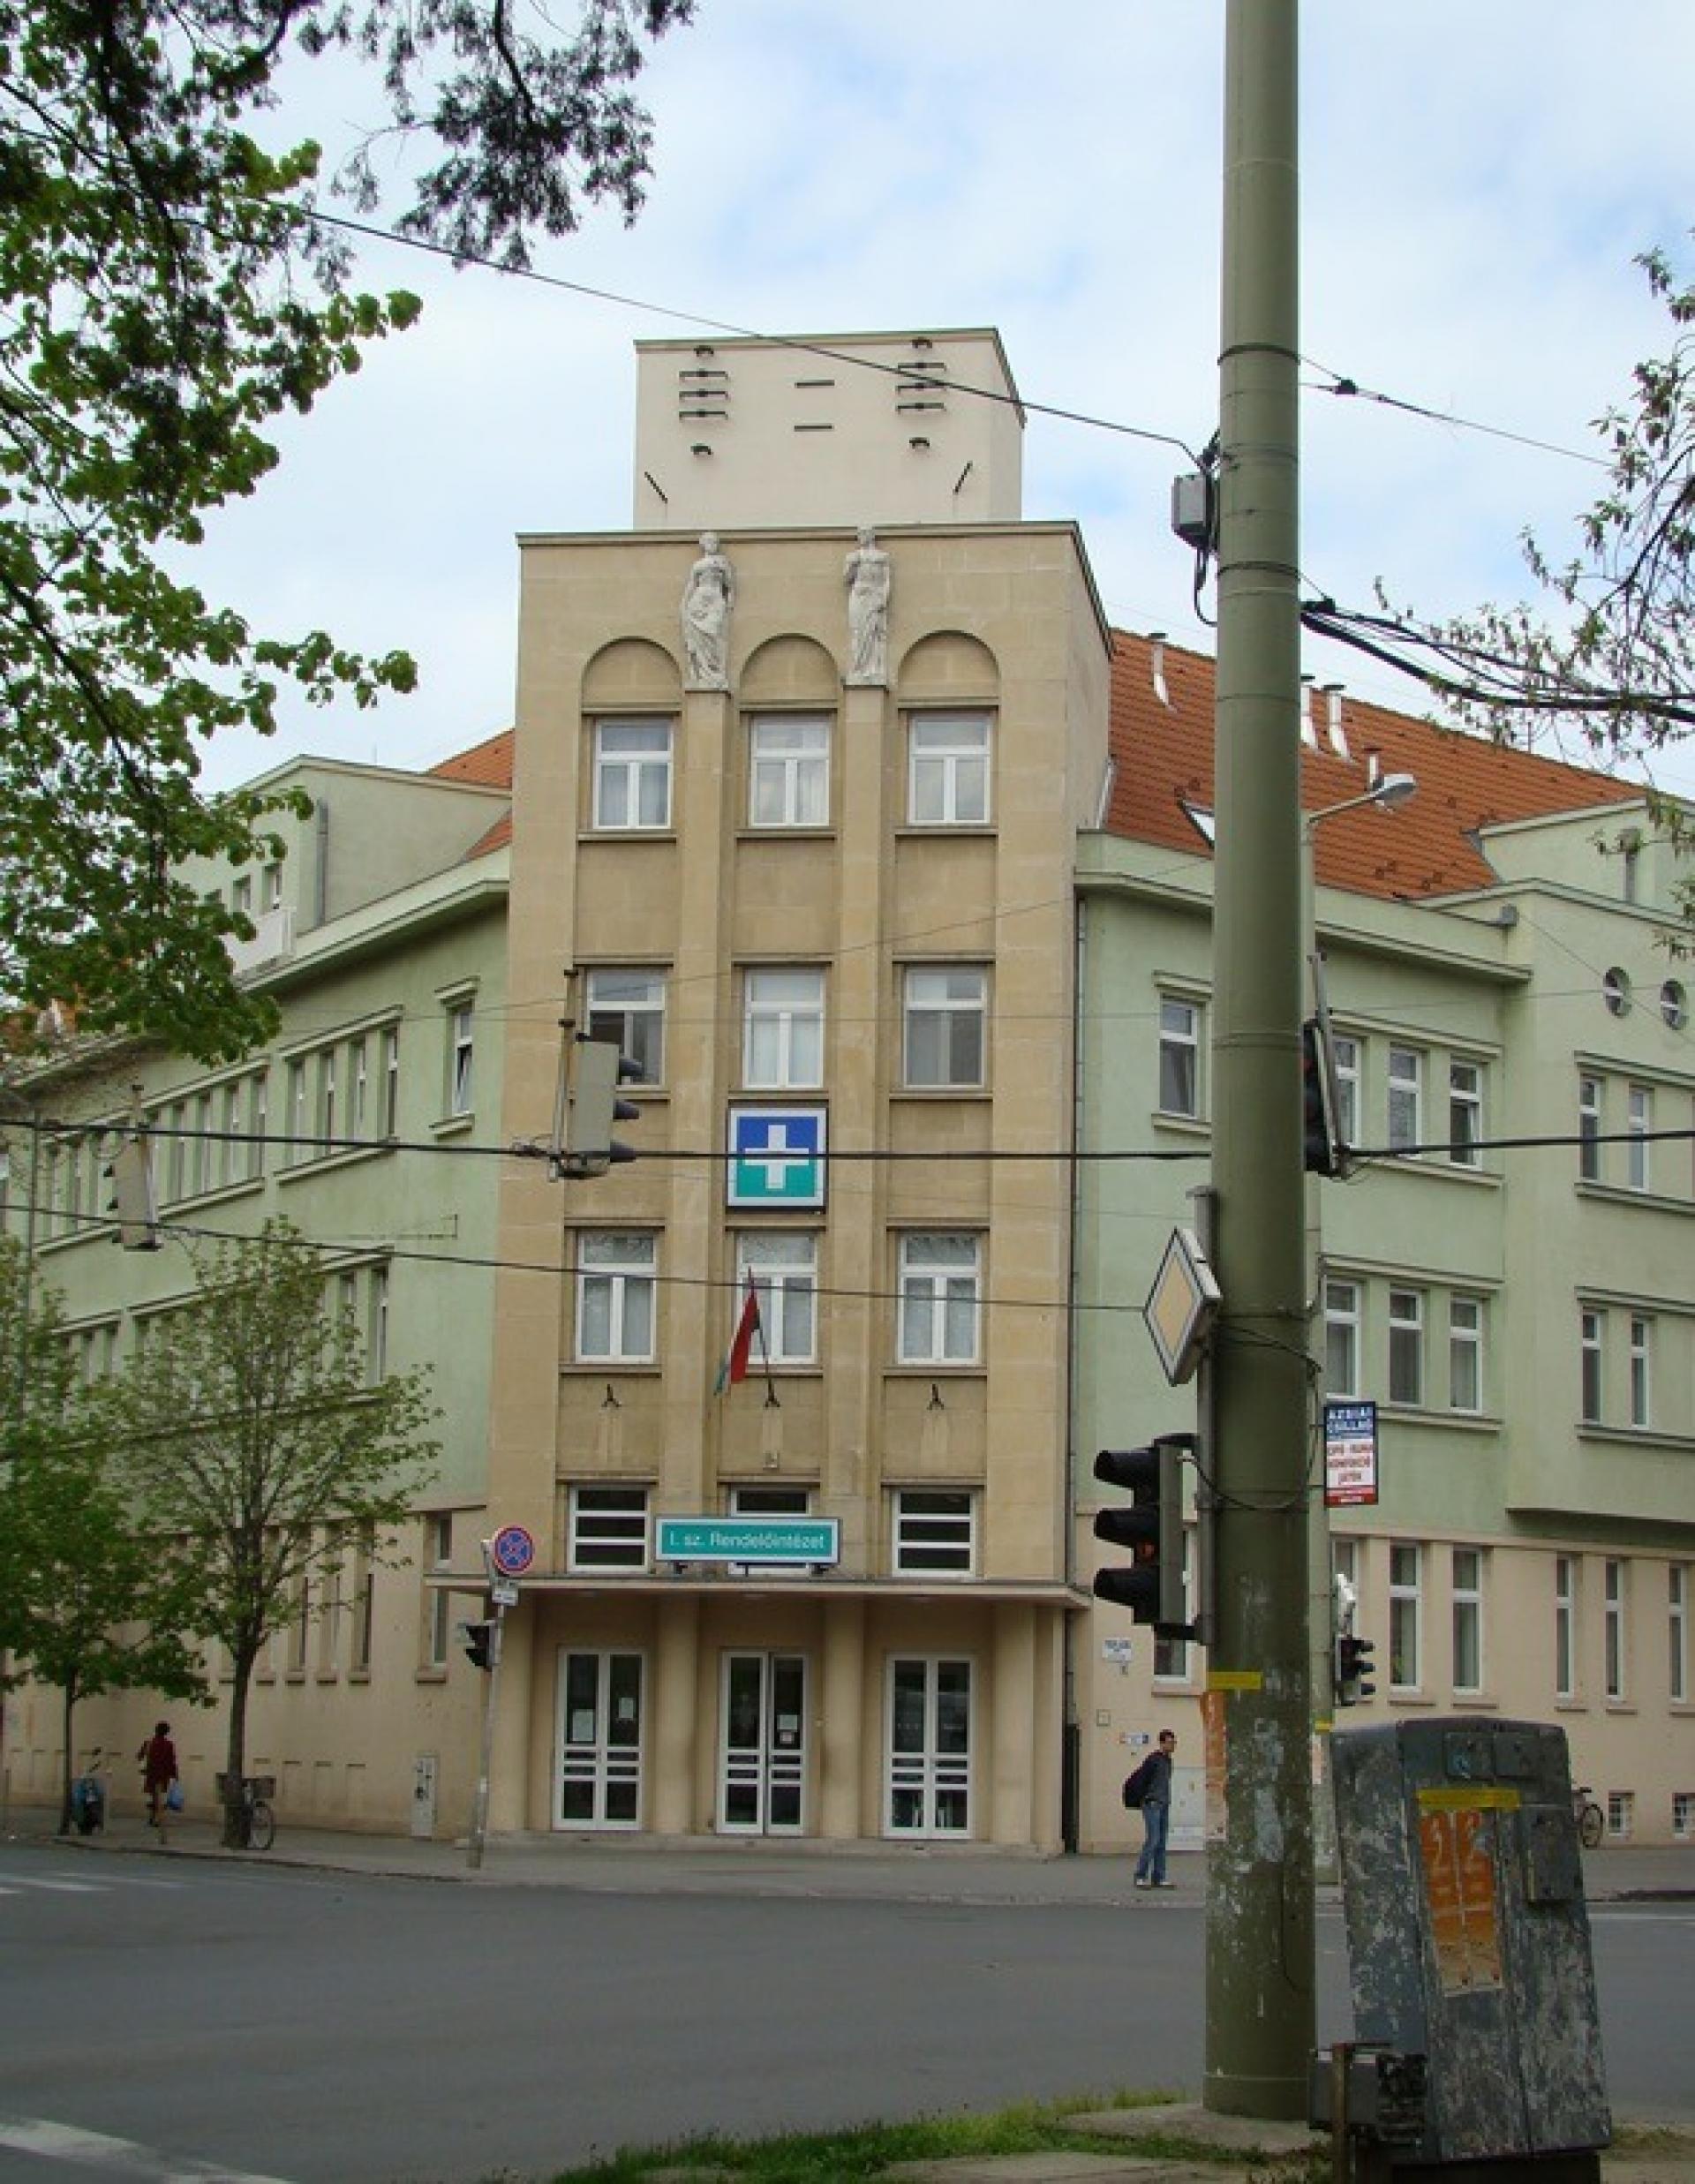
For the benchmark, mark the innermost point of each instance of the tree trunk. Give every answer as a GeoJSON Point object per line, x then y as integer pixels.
{"type": "Point", "coordinates": [70, 1774]}
{"type": "Point", "coordinates": [234, 1758]}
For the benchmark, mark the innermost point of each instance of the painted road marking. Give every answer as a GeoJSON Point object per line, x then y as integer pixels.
{"type": "Point", "coordinates": [121, 2157]}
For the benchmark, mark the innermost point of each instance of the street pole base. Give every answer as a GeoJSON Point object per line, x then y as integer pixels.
{"type": "Point", "coordinates": [1237, 2093]}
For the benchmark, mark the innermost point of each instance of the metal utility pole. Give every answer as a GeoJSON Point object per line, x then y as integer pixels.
{"type": "Point", "coordinates": [1260, 2020]}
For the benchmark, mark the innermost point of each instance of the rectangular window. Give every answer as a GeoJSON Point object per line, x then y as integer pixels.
{"type": "Point", "coordinates": [615, 1299]}
{"type": "Point", "coordinates": [177, 1162]}
{"type": "Point", "coordinates": [1641, 1350]}
{"type": "Point", "coordinates": [1405, 1345]}
{"type": "Point", "coordinates": [1565, 1626]}
{"type": "Point", "coordinates": [783, 1030]}
{"type": "Point", "coordinates": [271, 886]}
{"type": "Point", "coordinates": [784, 1265]}
{"type": "Point", "coordinates": [1405, 1603]}
{"type": "Point", "coordinates": [359, 1088]}
{"type": "Point", "coordinates": [1341, 1338]}
{"type": "Point", "coordinates": [1683, 1815]}
{"type": "Point", "coordinates": [770, 1501]}
{"type": "Point", "coordinates": [1614, 1636]}
{"type": "Point", "coordinates": [226, 1166]}
{"type": "Point", "coordinates": [626, 1009]}
{"type": "Point", "coordinates": [1467, 1600]}
{"type": "Point", "coordinates": [939, 1280]}
{"type": "Point", "coordinates": [460, 1018]}
{"type": "Point", "coordinates": [1464, 1352]}
{"type": "Point", "coordinates": [328, 1108]}
{"type": "Point", "coordinates": [1621, 1815]}
{"type": "Point", "coordinates": [632, 774]}
{"type": "Point", "coordinates": [947, 782]}
{"type": "Point", "coordinates": [935, 1531]}
{"type": "Point", "coordinates": [608, 1528]}
{"type": "Point", "coordinates": [1179, 1058]}
{"type": "Point", "coordinates": [438, 1554]}
{"type": "Point", "coordinates": [258, 1123]}
{"type": "Point", "coordinates": [1592, 1338]}
{"type": "Point", "coordinates": [1638, 1122]}
{"type": "Point", "coordinates": [364, 1578]}
{"type": "Point", "coordinates": [945, 1021]}
{"type": "Point", "coordinates": [1677, 1632]}
{"type": "Point", "coordinates": [1465, 1112]}
{"type": "Point", "coordinates": [1406, 1098]}
{"type": "Point", "coordinates": [1346, 1061]}
{"type": "Point", "coordinates": [300, 1115]}
{"type": "Point", "coordinates": [376, 1352]}
{"type": "Point", "coordinates": [1589, 1096]}
{"type": "Point", "coordinates": [788, 772]}
{"type": "Point", "coordinates": [391, 1081]}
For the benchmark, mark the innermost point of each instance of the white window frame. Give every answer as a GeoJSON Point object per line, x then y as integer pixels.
{"type": "Point", "coordinates": [1683, 1815]}
{"type": "Point", "coordinates": [608, 1526]}
{"type": "Point", "coordinates": [1639, 1378]}
{"type": "Point", "coordinates": [439, 1526]}
{"type": "Point", "coordinates": [1465, 1111]}
{"type": "Point", "coordinates": [1406, 1348]}
{"type": "Point", "coordinates": [947, 769]}
{"type": "Point", "coordinates": [789, 770]}
{"type": "Point", "coordinates": [944, 1007]}
{"type": "Point", "coordinates": [782, 1028]}
{"type": "Point", "coordinates": [626, 1007]}
{"type": "Point", "coordinates": [1638, 1122]}
{"type": "Point", "coordinates": [619, 1268]}
{"type": "Point", "coordinates": [359, 1087]}
{"type": "Point", "coordinates": [1621, 1815]}
{"type": "Point", "coordinates": [783, 1264]}
{"type": "Point", "coordinates": [631, 755]}
{"type": "Point", "coordinates": [1466, 1326]}
{"type": "Point", "coordinates": [933, 1532]}
{"type": "Point", "coordinates": [1567, 1581]}
{"type": "Point", "coordinates": [1591, 1106]}
{"type": "Point", "coordinates": [1343, 1309]}
{"type": "Point", "coordinates": [1405, 1103]}
{"type": "Point", "coordinates": [935, 1288]}
{"type": "Point", "coordinates": [1615, 1628]}
{"type": "Point", "coordinates": [462, 1055]}
{"type": "Point", "coordinates": [1592, 1365]}
{"type": "Point", "coordinates": [391, 1080]}
{"type": "Point", "coordinates": [1347, 1064]}
{"type": "Point", "coordinates": [1677, 1632]}
{"type": "Point", "coordinates": [1405, 1615]}
{"type": "Point", "coordinates": [1180, 1050]}
{"type": "Point", "coordinates": [1469, 1571]}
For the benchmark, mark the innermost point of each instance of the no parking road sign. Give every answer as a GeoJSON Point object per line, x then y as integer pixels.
{"type": "Point", "coordinates": [512, 1550]}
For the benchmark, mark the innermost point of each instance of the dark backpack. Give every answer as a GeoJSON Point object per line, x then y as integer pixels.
{"type": "Point", "coordinates": [1135, 1784]}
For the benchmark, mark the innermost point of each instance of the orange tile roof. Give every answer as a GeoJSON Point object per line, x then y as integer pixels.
{"type": "Point", "coordinates": [487, 764]}
{"type": "Point", "coordinates": [1428, 847]}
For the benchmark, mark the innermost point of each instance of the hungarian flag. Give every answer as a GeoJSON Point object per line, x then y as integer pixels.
{"type": "Point", "coordinates": [735, 1367]}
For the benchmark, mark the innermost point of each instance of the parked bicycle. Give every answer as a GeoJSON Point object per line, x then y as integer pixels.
{"type": "Point", "coordinates": [88, 1797]}
{"type": "Point", "coordinates": [257, 1790]}
{"type": "Point", "coordinates": [1592, 1821]}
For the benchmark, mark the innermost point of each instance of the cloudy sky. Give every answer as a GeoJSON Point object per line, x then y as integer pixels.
{"type": "Point", "coordinates": [1477, 176]}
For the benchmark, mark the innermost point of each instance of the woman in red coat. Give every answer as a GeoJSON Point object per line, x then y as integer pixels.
{"type": "Point", "coordinates": [158, 1757]}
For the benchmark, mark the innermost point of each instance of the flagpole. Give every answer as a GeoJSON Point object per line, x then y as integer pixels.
{"type": "Point", "coordinates": [771, 1402]}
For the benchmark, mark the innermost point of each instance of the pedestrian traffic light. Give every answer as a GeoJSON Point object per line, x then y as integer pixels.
{"type": "Point", "coordinates": [598, 1069]}
{"type": "Point", "coordinates": [129, 1172]}
{"type": "Point", "coordinates": [1151, 1585]}
{"type": "Point", "coordinates": [1354, 1666]}
{"type": "Point", "coordinates": [479, 1642]}
{"type": "Point", "coordinates": [1318, 1154]}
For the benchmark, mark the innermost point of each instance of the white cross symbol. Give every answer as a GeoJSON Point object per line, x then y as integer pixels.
{"type": "Point", "coordinates": [775, 1157]}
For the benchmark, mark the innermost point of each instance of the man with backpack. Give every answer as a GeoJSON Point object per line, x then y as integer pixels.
{"type": "Point", "coordinates": [1148, 1791]}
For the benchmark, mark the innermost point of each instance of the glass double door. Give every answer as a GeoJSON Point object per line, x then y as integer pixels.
{"type": "Point", "coordinates": [929, 1782]}
{"type": "Point", "coordinates": [762, 1752]}
{"type": "Point", "coordinates": [599, 1782]}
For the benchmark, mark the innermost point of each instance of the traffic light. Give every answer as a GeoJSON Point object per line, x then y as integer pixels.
{"type": "Point", "coordinates": [479, 1642]}
{"type": "Point", "coordinates": [597, 1070]}
{"type": "Point", "coordinates": [129, 1172]}
{"type": "Point", "coordinates": [1318, 1154]}
{"type": "Point", "coordinates": [1151, 1585]}
{"type": "Point", "coordinates": [1354, 1666]}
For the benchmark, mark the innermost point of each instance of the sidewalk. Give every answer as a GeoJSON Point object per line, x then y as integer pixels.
{"type": "Point", "coordinates": [691, 1866]}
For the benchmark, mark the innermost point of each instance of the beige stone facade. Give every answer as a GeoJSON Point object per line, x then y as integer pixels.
{"type": "Point", "coordinates": [910, 906]}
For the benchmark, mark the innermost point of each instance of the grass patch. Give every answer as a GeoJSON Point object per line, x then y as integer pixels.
{"type": "Point", "coordinates": [849, 2157]}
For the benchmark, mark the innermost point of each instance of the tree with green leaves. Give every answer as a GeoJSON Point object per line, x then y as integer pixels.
{"type": "Point", "coordinates": [257, 1438]}
{"type": "Point", "coordinates": [169, 288]}
{"type": "Point", "coordinates": [88, 1602]}
{"type": "Point", "coordinates": [1610, 649]}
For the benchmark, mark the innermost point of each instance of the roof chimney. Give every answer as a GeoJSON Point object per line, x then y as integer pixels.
{"type": "Point", "coordinates": [1333, 719]}
{"type": "Point", "coordinates": [1157, 666]}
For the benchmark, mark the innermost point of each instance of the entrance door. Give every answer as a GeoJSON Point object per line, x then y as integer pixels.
{"type": "Point", "coordinates": [762, 1776]}
{"type": "Point", "coordinates": [599, 1740]}
{"type": "Point", "coordinates": [928, 1790]}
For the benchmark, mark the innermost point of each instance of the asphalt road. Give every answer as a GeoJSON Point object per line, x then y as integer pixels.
{"type": "Point", "coordinates": [208, 2020]}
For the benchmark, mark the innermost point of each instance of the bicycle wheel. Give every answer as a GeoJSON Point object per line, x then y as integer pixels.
{"type": "Point", "coordinates": [261, 1826]}
{"type": "Point", "coordinates": [1592, 1826]}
